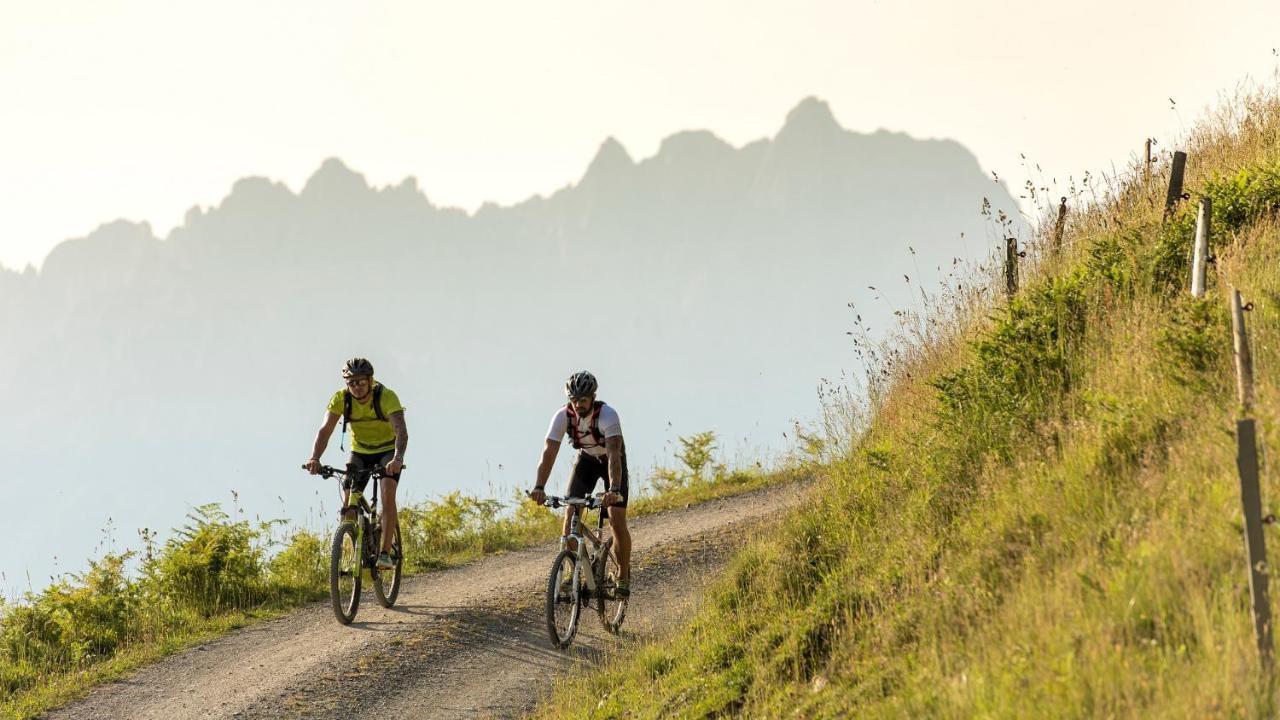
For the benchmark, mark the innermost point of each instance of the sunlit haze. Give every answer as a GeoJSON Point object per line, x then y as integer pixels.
{"type": "Point", "coordinates": [141, 110]}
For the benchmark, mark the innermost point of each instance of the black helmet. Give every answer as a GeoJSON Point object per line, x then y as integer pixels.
{"type": "Point", "coordinates": [580, 384]}
{"type": "Point", "coordinates": [357, 366]}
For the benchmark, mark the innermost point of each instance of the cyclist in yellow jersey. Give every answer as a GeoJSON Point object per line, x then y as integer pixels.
{"type": "Point", "coordinates": [379, 438]}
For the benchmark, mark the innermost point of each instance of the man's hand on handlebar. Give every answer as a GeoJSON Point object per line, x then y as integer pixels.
{"type": "Point", "coordinates": [395, 466]}
{"type": "Point", "coordinates": [610, 498]}
{"type": "Point", "coordinates": [312, 466]}
{"type": "Point", "coordinates": [538, 495]}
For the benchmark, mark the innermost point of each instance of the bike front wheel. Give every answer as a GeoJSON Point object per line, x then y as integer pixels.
{"type": "Point", "coordinates": [612, 608]}
{"type": "Point", "coordinates": [344, 573]}
{"type": "Point", "coordinates": [564, 599]}
{"type": "Point", "coordinates": [386, 583]}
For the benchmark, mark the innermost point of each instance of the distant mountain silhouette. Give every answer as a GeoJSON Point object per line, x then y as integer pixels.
{"type": "Point", "coordinates": [705, 285]}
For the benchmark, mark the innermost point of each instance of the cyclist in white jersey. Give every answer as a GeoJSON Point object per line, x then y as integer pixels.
{"type": "Point", "coordinates": [596, 433]}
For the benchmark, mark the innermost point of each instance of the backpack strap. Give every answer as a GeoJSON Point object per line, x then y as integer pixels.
{"type": "Point", "coordinates": [346, 417]}
{"type": "Point", "coordinates": [595, 424]}
{"type": "Point", "coordinates": [377, 402]}
{"type": "Point", "coordinates": [572, 416]}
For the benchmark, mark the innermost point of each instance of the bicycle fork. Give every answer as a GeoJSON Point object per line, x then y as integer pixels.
{"type": "Point", "coordinates": [363, 526]}
{"type": "Point", "coordinates": [584, 557]}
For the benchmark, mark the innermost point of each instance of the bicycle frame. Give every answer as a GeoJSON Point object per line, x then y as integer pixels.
{"type": "Point", "coordinates": [362, 530]}
{"type": "Point", "coordinates": [591, 577]}
{"type": "Point", "coordinates": [579, 532]}
{"type": "Point", "coordinates": [366, 511]}
{"type": "Point", "coordinates": [366, 516]}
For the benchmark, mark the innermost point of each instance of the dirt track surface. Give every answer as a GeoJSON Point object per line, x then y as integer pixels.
{"type": "Point", "coordinates": [460, 643]}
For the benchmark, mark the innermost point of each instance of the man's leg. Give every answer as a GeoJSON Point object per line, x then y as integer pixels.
{"type": "Point", "coordinates": [621, 539]}
{"type": "Point", "coordinates": [357, 478]}
{"type": "Point", "coordinates": [569, 512]}
{"type": "Point", "coordinates": [581, 479]}
{"type": "Point", "coordinates": [389, 518]}
{"type": "Point", "coordinates": [618, 522]}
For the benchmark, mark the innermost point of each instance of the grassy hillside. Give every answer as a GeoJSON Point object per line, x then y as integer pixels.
{"type": "Point", "coordinates": [1038, 514]}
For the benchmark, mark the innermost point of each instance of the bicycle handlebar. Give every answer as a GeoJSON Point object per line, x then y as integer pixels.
{"type": "Point", "coordinates": [591, 503]}
{"type": "Point", "coordinates": [327, 471]}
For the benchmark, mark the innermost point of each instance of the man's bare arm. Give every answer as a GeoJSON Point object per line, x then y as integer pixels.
{"type": "Point", "coordinates": [325, 432]}
{"type": "Point", "coordinates": [402, 434]}
{"type": "Point", "coordinates": [549, 453]}
{"type": "Point", "coordinates": [613, 446]}
{"type": "Point", "coordinates": [322, 440]}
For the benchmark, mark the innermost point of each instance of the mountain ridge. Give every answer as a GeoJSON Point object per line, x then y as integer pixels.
{"type": "Point", "coordinates": [811, 121]}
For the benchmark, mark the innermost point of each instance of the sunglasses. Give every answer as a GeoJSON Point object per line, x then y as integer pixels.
{"type": "Point", "coordinates": [357, 381]}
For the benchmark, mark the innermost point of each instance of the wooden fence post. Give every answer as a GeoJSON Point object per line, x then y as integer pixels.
{"type": "Point", "coordinates": [1201, 255]}
{"type": "Point", "coordinates": [1146, 160]}
{"type": "Point", "coordinates": [1240, 349]}
{"type": "Point", "coordinates": [1060, 226]}
{"type": "Point", "coordinates": [1176, 172]}
{"type": "Point", "coordinates": [1250, 494]}
{"type": "Point", "coordinates": [1255, 545]}
{"type": "Point", "coordinates": [1011, 266]}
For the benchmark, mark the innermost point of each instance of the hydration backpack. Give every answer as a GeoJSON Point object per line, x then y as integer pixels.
{"type": "Point", "coordinates": [594, 429]}
{"type": "Point", "coordinates": [346, 410]}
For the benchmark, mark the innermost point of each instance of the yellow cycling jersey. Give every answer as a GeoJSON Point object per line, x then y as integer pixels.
{"type": "Point", "coordinates": [368, 433]}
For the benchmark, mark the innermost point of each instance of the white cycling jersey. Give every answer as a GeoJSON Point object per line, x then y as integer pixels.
{"type": "Point", "coordinates": [610, 426]}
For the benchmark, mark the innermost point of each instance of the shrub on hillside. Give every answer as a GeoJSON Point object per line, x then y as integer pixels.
{"type": "Point", "coordinates": [1190, 339]}
{"type": "Point", "coordinates": [1245, 196]}
{"type": "Point", "coordinates": [455, 524]}
{"type": "Point", "coordinates": [1018, 368]}
{"type": "Point", "coordinates": [302, 567]}
{"type": "Point", "coordinates": [697, 464]}
{"type": "Point", "coordinates": [211, 564]}
{"type": "Point", "coordinates": [74, 621]}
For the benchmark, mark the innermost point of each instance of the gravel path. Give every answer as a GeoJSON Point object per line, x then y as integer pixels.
{"type": "Point", "coordinates": [460, 643]}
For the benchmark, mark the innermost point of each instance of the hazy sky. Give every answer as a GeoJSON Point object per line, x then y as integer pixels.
{"type": "Point", "coordinates": [143, 109]}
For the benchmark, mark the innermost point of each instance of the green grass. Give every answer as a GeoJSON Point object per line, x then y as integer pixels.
{"type": "Point", "coordinates": [1039, 515]}
{"type": "Point", "coordinates": [217, 573]}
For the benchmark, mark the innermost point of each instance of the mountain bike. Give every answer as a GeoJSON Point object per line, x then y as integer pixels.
{"type": "Point", "coordinates": [582, 575]}
{"type": "Point", "coordinates": [355, 548]}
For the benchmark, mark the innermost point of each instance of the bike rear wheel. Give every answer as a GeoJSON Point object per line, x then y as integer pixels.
{"type": "Point", "coordinates": [386, 583]}
{"type": "Point", "coordinates": [612, 609]}
{"type": "Point", "coordinates": [345, 573]}
{"type": "Point", "coordinates": [564, 599]}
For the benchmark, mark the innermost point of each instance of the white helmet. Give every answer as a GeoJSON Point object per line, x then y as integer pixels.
{"type": "Point", "coordinates": [580, 384]}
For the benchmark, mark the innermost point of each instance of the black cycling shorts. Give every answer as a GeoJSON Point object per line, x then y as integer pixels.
{"type": "Point", "coordinates": [589, 469]}
{"type": "Point", "coordinates": [359, 465]}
